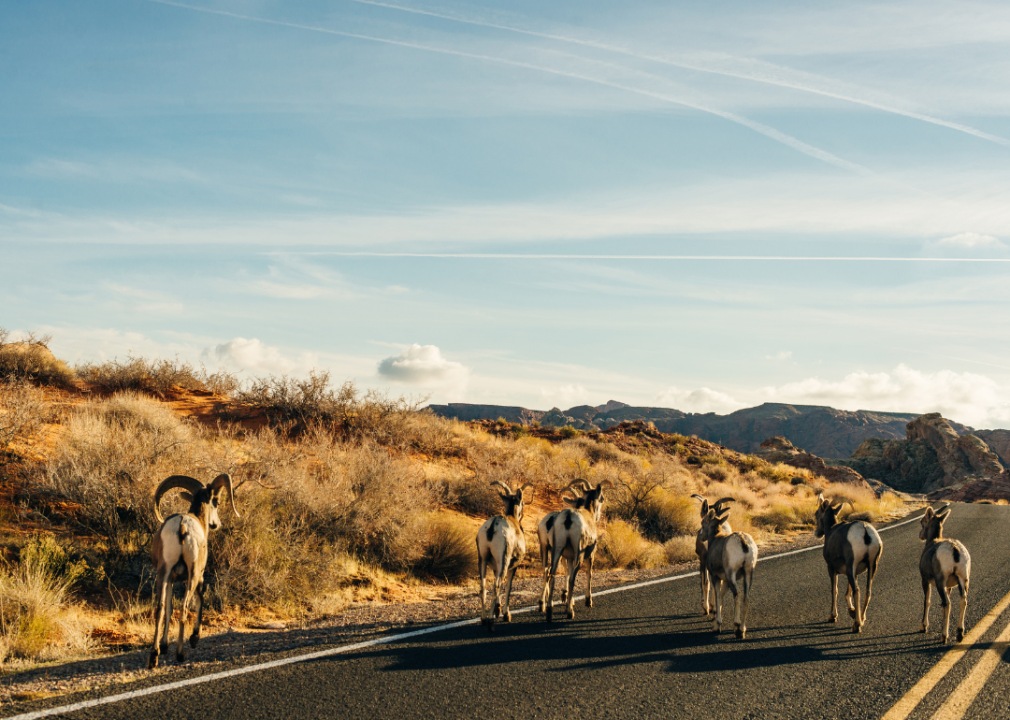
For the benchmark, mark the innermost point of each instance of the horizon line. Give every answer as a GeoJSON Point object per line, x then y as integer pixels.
{"type": "Point", "coordinates": [552, 256]}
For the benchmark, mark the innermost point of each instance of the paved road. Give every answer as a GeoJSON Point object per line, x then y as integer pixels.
{"type": "Point", "coordinates": [648, 653]}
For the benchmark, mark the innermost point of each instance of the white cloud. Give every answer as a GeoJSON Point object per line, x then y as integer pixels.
{"type": "Point", "coordinates": [702, 400]}
{"type": "Point", "coordinates": [258, 358]}
{"type": "Point", "coordinates": [780, 356]}
{"type": "Point", "coordinates": [966, 397]}
{"type": "Point", "coordinates": [970, 240]}
{"type": "Point", "coordinates": [424, 366]}
{"type": "Point", "coordinates": [565, 396]}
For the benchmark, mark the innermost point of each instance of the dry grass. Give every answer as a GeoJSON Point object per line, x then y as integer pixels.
{"type": "Point", "coordinates": [22, 409]}
{"type": "Point", "coordinates": [157, 377]}
{"type": "Point", "coordinates": [30, 359]}
{"type": "Point", "coordinates": [680, 549]}
{"type": "Point", "coordinates": [37, 619]}
{"type": "Point", "coordinates": [449, 552]}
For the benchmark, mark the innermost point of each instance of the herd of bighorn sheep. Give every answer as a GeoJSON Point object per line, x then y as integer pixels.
{"type": "Point", "coordinates": [726, 558]}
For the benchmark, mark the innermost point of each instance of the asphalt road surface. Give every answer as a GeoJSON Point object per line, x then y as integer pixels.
{"type": "Point", "coordinates": [648, 652]}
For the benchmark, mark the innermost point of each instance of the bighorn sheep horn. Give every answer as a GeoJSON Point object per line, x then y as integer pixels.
{"type": "Point", "coordinates": [184, 482]}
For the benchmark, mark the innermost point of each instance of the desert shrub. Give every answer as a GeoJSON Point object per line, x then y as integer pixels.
{"type": "Point", "coordinates": [383, 516]}
{"type": "Point", "coordinates": [623, 546]}
{"type": "Point", "coordinates": [156, 377]}
{"type": "Point", "coordinates": [31, 359]}
{"type": "Point", "coordinates": [567, 431]}
{"type": "Point", "coordinates": [679, 549]}
{"type": "Point", "coordinates": [107, 460]}
{"type": "Point", "coordinates": [22, 409]}
{"type": "Point", "coordinates": [37, 620]}
{"type": "Point", "coordinates": [664, 515]}
{"type": "Point", "coordinates": [449, 552]}
{"type": "Point", "coordinates": [781, 516]}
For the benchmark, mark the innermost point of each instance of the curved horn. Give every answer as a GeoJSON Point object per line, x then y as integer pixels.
{"type": "Point", "coordinates": [582, 484]}
{"type": "Point", "coordinates": [699, 498]}
{"type": "Point", "coordinates": [175, 481]}
{"type": "Point", "coordinates": [502, 485]}
{"type": "Point", "coordinates": [224, 481]}
{"type": "Point", "coordinates": [722, 501]}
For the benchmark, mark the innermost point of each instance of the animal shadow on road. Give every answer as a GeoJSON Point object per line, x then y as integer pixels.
{"type": "Point", "coordinates": [687, 643]}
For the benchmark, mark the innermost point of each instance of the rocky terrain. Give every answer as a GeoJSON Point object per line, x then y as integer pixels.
{"type": "Point", "coordinates": [780, 450]}
{"type": "Point", "coordinates": [933, 458]}
{"type": "Point", "coordinates": [823, 431]}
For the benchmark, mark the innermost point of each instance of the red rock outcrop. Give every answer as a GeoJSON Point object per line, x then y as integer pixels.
{"type": "Point", "coordinates": [780, 450]}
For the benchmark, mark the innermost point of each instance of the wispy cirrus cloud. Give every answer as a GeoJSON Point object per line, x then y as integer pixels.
{"type": "Point", "coordinates": [970, 240]}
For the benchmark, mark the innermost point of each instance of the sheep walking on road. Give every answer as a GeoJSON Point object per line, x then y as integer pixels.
{"type": "Point", "coordinates": [502, 545]}
{"type": "Point", "coordinates": [850, 548]}
{"type": "Point", "coordinates": [730, 559]}
{"type": "Point", "coordinates": [544, 531]}
{"type": "Point", "coordinates": [944, 563]}
{"type": "Point", "coordinates": [701, 548]}
{"type": "Point", "coordinates": [179, 553]}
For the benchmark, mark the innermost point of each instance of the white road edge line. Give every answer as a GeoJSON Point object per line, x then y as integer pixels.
{"type": "Point", "coordinates": [83, 705]}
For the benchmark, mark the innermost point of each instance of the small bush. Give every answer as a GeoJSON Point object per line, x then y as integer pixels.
{"type": "Point", "coordinates": [664, 515]}
{"type": "Point", "coordinates": [31, 359]}
{"type": "Point", "coordinates": [22, 408]}
{"type": "Point", "coordinates": [36, 619]}
{"type": "Point", "coordinates": [450, 553]}
{"type": "Point", "coordinates": [156, 377]}
{"type": "Point", "coordinates": [680, 549]}
{"type": "Point", "coordinates": [567, 431]}
{"type": "Point", "coordinates": [623, 546]}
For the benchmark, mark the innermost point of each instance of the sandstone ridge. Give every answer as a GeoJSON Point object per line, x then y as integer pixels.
{"type": "Point", "coordinates": [780, 450]}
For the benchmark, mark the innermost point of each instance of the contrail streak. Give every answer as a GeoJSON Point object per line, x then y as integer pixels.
{"type": "Point", "coordinates": [795, 81]}
{"type": "Point", "coordinates": [726, 258]}
{"type": "Point", "coordinates": [761, 128]}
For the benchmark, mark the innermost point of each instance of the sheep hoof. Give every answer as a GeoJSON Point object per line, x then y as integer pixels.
{"type": "Point", "coordinates": [571, 613]}
{"type": "Point", "coordinates": [163, 649]}
{"type": "Point", "coordinates": [153, 661]}
{"type": "Point", "coordinates": [740, 633]}
{"type": "Point", "coordinates": [852, 613]}
{"type": "Point", "coordinates": [856, 628]}
{"type": "Point", "coordinates": [550, 614]}
{"type": "Point", "coordinates": [960, 634]}
{"type": "Point", "coordinates": [508, 616]}
{"type": "Point", "coordinates": [497, 610]}
{"type": "Point", "coordinates": [923, 629]}
{"type": "Point", "coordinates": [180, 657]}
{"type": "Point", "coordinates": [833, 619]}
{"type": "Point", "coordinates": [564, 596]}
{"type": "Point", "coordinates": [193, 640]}
{"type": "Point", "coordinates": [589, 602]}
{"type": "Point", "coordinates": [943, 639]}
{"type": "Point", "coordinates": [542, 606]}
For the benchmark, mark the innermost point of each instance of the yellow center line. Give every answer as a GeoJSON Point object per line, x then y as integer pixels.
{"type": "Point", "coordinates": [904, 707]}
{"type": "Point", "coordinates": [961, 699]}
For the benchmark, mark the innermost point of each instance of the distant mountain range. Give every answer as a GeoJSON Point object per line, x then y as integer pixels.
{"type": "Point", "coordinates": [821, 430]}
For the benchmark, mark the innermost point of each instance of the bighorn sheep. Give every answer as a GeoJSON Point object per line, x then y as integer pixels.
{"type": "Point", "coordinates": [730, 559]}
{"type": "Point", "coordinates": [851, 548]}
{"type": "Point", "coordinates": [544, 528]}
{"type": "Point", "coordinates": [944, 563]}
{"type": "Point", "coordinates": [501, 542]}
{"type": "Point", "coordinates": [574, 537]}
{"type": "Point", "coordinates": [179, 553]}
{"type": "Point", "coordinates": [701, 547]}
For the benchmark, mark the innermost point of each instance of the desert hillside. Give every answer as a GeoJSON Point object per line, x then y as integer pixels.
{"type": "Point", "coordinates": [344, 496]}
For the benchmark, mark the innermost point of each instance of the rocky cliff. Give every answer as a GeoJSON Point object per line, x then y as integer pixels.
{"type": "Point", "coordinates": [823, 431]}
{"type": "Point", "coordinates": [780, 450]}
{"type": "Point", "coordinates": [932, 456]}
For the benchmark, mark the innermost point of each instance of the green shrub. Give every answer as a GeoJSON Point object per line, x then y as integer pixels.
{"type": "Point", "coordinates": [567, 431]}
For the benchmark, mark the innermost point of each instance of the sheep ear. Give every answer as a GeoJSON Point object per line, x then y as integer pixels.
{"type": "Point", "coordinates": [942, 516]}
{"type": "Point", "coordinates": [704, 508]}
{"type": "Point", "coordinates": [820, 498]}
{"type": "Point", "coordinates": [186, 496]}
{"type": "Point", "coordinates": [837, 507]}
{"type": "Point", "coordinates": [929, 513]}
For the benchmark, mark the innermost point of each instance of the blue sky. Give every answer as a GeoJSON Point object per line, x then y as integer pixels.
{"type": "Point", "coordinates": [272, 187]}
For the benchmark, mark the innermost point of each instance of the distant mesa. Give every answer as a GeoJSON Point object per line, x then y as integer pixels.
{"type": "Point", "coordinates": [823, 431]}
{"type": "Point", "coordinates": [780, 450]}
